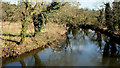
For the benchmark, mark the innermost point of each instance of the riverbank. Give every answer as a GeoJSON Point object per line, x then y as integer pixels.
{"type": "Point", "coordinates": [51, 33]}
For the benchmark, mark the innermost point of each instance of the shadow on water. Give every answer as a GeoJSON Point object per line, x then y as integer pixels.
{"type": "Point", "coordinates": [81, 47]}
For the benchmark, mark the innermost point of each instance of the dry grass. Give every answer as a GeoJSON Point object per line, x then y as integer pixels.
{"type": "Point", "coordinates": [55, 30]}
{"type": "Point", "coordinates": [15, 27]}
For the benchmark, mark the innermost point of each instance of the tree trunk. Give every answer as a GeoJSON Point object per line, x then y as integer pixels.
{"type": "Point", "coordinates": [24, 29]}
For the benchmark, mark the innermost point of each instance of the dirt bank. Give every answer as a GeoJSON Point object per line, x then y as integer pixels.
{"type": "Point", "coordinates": [50, 35]}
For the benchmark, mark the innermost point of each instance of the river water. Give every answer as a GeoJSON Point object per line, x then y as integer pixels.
{"type": "Point", "coordinates": [81, 47]}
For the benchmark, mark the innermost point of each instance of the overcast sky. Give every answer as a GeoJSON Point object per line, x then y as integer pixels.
{"type": "Point", "coordinates": [90, 4]}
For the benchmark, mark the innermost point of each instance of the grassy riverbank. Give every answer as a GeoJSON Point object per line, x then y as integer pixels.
{"type": "Point", "coordinates": [51, 32]}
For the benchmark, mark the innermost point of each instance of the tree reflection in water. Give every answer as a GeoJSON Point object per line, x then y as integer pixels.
{"type": "Point", "coordinates": [99, 39]}
{"type": "Point", "coordinates": [22, 63]}
{"type": "Point", "coordinates": [109, 47]}
{"type": "Point", "coordinates": [38, 61]}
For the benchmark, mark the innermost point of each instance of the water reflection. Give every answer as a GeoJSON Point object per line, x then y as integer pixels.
{"type": "Point", "coordinates": [99, 39]}
{"type": "Point", "coordinates": [38, 61]}
{"type": "Point", "coordinates": [22, 63]}
{"type": "Point", "coordinates": [81, 47]}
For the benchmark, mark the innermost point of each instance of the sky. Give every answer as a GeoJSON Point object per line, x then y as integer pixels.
{"type": "Point", "coordinates": [93, 4]}
{"type": "Point", "coordinates": [90, 4]}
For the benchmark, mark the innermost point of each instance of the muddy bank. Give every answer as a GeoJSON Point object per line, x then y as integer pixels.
{"type": "Point", "coordinates": [15, 54]}
{"type": "Point", "coordinates": [7, 60]}
{"type": "Point", "coordinates": [50, 35]}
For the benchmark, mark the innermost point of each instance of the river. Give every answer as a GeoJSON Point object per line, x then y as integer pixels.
{"type": "Point", "coordinates": [81, 47]}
